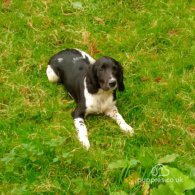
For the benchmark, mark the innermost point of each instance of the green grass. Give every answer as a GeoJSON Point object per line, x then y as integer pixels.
{"type": "Point", "coordinates": [155, 42]}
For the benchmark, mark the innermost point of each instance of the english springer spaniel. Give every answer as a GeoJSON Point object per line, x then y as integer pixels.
{"type": "Point", "coordinates": [91, 83]}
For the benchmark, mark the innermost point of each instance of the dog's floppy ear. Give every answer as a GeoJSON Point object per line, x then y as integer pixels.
{"type": "Point", "coordinates": [121, 86]}
{"type": "Point", "coordinates": [92, 79]}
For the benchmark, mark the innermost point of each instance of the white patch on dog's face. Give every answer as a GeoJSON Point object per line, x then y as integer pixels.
{"type": "Point", "coordinates": [100, 102]}
{"type": "Point", "coordinates": [106, 70]}
{"type": "Point", "coordinates": [51, 75]}
{"type": "Point", "coordinates": [107, 73]}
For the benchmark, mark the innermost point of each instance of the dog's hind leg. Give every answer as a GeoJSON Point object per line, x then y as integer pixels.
{"type": "Point", "coordinates": [51, 75]}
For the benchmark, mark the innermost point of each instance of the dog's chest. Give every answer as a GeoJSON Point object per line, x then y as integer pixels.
{"type": "Point", "coordinates": [98, 103]}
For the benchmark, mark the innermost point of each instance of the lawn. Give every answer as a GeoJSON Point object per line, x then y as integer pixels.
{"type": "Point", "coordinates": [155, 43]}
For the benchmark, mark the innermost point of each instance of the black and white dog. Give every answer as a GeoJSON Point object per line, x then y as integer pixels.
{"type": "Point", "coordinates": [92, 84]}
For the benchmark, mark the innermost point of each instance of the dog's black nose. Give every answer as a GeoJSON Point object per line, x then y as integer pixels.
{"type": "Point", "coordinates": [112, 83]}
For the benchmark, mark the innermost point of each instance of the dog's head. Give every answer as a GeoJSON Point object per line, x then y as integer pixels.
{"type": "Point", "coordinates": [107, 74]}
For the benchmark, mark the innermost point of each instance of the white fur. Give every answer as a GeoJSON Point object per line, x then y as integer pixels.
{"type": "Point", "coordinates": [82, 132]}
{"type": "Point", "coordinates": [76, 59]}
{"type": "Point", "coordinates": [51, 75]}
{"type": "Point", "coordinates": [91, 60]}
{"type": "Point", "coordinates": [114, 114]}
{"type": "Point", "coordinates": [100, 102]}
{"type": "Point", "coordinates": [60, 59]}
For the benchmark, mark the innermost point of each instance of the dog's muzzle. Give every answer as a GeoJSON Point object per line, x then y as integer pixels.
{"type": "Point", "coordinates": [112, 83]}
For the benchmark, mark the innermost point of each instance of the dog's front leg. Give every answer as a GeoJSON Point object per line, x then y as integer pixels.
{"type": "Point", "coordinates": [78, 115]}
{"type": "Point", "coordinates": [114, 114]}
{"type": "Point", "coordinates": [82, 132]}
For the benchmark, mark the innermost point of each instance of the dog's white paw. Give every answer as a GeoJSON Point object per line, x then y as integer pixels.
{"type": "Point", "coordinates": [127, 128]}
{"type": "Point", "coordinates": [84, 140]}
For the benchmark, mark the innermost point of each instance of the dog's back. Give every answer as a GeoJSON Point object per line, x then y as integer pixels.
{"type": "Point", "coordinates": [69, 68]}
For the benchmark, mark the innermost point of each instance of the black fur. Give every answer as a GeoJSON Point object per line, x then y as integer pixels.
{"type": "Point", "coordinates": [74, 68]}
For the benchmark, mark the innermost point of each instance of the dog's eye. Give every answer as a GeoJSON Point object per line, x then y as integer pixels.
{"type": "Point", "coordinates": [102, 67]}
{"type": "Point", "coordinates": [114, 68]}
